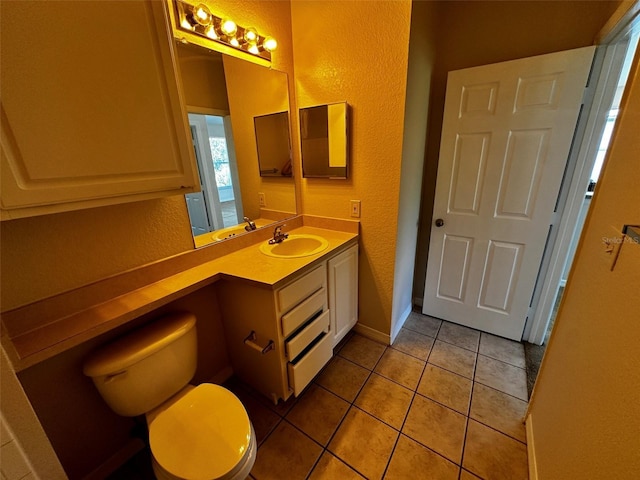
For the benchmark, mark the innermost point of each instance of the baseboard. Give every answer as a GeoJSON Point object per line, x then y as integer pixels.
{"type": "Point", "coordinates": [222, 376]}
{"type": "Point", "coordinates": [400, 324]}
{"type": "Point", "coordinates": [372, 334]}
{"type": "Point", "coordinates": [115, 461]}
{"type": "Point", "coordinates": [531, 449]}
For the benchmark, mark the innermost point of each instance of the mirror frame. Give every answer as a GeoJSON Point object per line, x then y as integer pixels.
{"type": "Point", "coordinates": [267, 216]}
{"type": "Point", "coordinates": [267, 141]}
{"type": "Point", "coordinates": [343, 144]}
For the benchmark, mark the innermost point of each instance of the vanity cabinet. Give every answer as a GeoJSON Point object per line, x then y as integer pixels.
{"type": "Point", "coordinates": [91, 109]}
{"type": "Point", "coordinates": [343, 292]}
{"type": "Point", "coordinates": [278, 340]}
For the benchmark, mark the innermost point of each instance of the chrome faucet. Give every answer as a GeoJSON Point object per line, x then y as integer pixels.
{"type": "Point", "coordinates": [251, 225]}
{"type": "Point", "coordinates": [278, 236]}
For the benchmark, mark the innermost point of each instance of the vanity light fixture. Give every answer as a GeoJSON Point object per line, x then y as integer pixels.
{"type": "Point", "coordinates": [198, 20]}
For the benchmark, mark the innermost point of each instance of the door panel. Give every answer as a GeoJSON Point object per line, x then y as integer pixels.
{"type": "Point", "coordinates": [506, 136]}
{"type": "Point", "coordinates": [523, 165]}
{"type": "Point", "coordinates": [455, 266]}
{"type": "Point", "coordinates": [469, 166]}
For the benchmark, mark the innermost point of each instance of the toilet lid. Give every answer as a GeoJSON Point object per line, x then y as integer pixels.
{"type": "Point", "coordinates": [204, 434]}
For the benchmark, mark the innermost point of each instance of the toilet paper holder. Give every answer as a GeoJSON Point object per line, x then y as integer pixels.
{"type": "Point", "coordinates": [251, 342]}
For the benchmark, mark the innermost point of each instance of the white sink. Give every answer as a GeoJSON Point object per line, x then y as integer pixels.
{"type": "Point", "coordinates": [228, 232]}
{"type": "Point", "coordinates": [295, 246]}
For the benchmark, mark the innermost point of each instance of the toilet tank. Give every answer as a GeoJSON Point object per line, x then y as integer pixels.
{"type": "Point", "coordinates": [139, 371]}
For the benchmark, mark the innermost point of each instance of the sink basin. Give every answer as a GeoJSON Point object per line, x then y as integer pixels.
{"type": "Point", "coordinates": [295, 246]}
{"type": "Point", "coordinates": [235, 230]}
{"type": "Point", "coordinates": [229, 232]}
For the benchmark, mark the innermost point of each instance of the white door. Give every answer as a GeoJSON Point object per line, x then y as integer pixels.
{"type": "Point", "coordinates": [196, 202]}
{"type": "Point", "coordinates": [507, 132]}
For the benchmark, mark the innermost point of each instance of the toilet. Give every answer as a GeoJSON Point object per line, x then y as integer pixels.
{"type": "Point", "coordinates": [195, 432]}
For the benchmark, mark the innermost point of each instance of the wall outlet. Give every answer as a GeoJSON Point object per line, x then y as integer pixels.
{"type": "Point", "coordinates": [262, 201]}
{"type": "Point", "coordinates": [355, 208]}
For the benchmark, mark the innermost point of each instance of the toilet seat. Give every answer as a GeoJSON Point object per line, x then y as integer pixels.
{"type": "Point", "coordinates": [206, 433]}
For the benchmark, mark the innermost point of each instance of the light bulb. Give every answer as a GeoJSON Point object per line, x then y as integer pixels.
{"type": "Point", "coordinates": [234, 41]}
{"type": "Point", "coordinates": [250, 35]}
{"type": "Point", "coordinates": [211, 32]}
{"type": "Point", "coordinates": [186, 25]}
{"type": "Point", "coordinates": [228, 27]}
{"type": "Point", "coordinates": [202, 15]}
{"type": "Point", "coordinates": [270, 44]}
{"type": "Point", "coordinates": [254, 49]}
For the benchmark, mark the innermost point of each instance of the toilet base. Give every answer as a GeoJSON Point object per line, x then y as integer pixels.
{"type": "Point", "coordinates": [241, 471]}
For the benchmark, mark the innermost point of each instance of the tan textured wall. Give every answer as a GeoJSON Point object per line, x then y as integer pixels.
{"type": "Point", "coordinates": [421, 63]}
{"type": "Point", "coordinates": [42, 256]}
{"type": "Point", "coordinates": [357, 52]}
{"type": "Point", "coordinates": [57, 384]}
{"type": "Point", "coordinates": [473, 33]}
{"type": "Point", "coordinates": [585, 403]}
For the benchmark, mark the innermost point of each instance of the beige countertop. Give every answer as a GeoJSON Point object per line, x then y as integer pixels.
{"type": "Point", "coordinates": [36, 332]}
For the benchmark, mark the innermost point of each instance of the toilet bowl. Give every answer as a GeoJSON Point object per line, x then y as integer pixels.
{"type": "Point", "coordinates": [204, 434]}
{"type": "Point", "coordinates": [195, 432]}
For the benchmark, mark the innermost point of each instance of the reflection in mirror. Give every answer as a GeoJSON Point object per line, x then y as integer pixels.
{"type": "Point", "coordinates": [218, 204]}
{"type": "Point", "coordinates": [223, 95]}
{"type": "Point", "coordinates": [274, 150]}
{"type": "Point", "coordinates": [324, 138]}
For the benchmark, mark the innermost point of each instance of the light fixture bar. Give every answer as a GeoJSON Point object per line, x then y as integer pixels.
{"type": "Point", "coordinates": [198, 20]}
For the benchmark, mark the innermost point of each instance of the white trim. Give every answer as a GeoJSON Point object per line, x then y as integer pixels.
{"type": "Point", "coordinates": [531, 449]}
{"type": "Point", "coordinates": [372, 333]}
{"type": "Point", "coordinates": [399, 324]}
{"type": "Point", "coordinates": [608, 61]}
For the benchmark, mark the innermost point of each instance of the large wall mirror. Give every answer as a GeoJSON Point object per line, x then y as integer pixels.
{"type": "Point", "coordinates": [224, 95]}
{"type": "Point", "coordinates": [324, 135]}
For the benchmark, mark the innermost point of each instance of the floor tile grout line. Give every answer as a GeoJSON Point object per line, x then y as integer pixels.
{"type": "Point", "coordinates": [501, 391]}
{"type": "Point", "coordinates": [466, 427]}
{"type": "Point", "coordinates": [404, 420]}
{"type": "Point", "coordinates": [502, 361]}
{"type": "Point", "coordinates": [370, 372]}
{"type": "Point", "coordinates": [400, 431]}
{"type": "Point", "coordinates": [498, 431]}
{"type": "Point", "coordinates": [351, 405]}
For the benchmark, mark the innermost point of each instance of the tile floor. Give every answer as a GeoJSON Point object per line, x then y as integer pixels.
{"type": "Point", "coordinates": [443, 402]}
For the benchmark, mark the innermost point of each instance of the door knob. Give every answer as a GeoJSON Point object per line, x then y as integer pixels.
{"type": "Point", "coordinates": [439, 222]}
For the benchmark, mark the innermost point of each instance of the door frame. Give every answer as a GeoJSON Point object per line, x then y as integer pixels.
{"type": "Point", "coordinates": [611, 48]}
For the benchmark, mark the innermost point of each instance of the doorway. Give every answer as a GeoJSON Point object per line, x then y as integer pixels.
{"type": "Point", "coordinates": [613, 83]}
{"type": "Point", "coordinates": [610, 71]}
{"type": "Point", "coordinates": [219, 203]}
{"type": "Point", "coordinates": [506, 137]}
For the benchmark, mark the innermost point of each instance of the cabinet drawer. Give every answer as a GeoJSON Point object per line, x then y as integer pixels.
{"type": "Point", "coordinates": [303, 312]}
{"type": "Point", "coordinates": [294, 293]}
{"type": "Point", "coordinates": [308, 366]}
{"type": "Point", "coordinates": [298, 343]}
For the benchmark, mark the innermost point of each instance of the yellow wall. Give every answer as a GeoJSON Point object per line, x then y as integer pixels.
{"type": "Point", "coordinates": [357, 52]}
{"type": "Point", "coordinates": [42, 256]}
{"type": "Point", "coordinates": [472, 33]}
{"type": "Point", "coordinates": [422, 55]}
{"type": "Point", "coordinates": [585, 403]}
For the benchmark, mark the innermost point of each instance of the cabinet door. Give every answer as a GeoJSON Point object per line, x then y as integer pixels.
{"type": "Point", "coordinates": [90, 106]}
{"type": "Point", "coordinates": [343, 292]}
